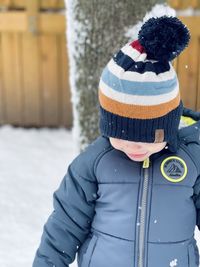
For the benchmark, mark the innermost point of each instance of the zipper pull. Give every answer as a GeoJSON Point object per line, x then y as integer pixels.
{"type": "Point", "coordinates": [146, 163]}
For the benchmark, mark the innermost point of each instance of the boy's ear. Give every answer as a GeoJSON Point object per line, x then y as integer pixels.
{"type": "Point", "coordinates": [159, 136]}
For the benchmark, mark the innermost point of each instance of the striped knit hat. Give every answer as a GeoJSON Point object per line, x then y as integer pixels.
{"type": "Point", "coordinates": [139, 90]}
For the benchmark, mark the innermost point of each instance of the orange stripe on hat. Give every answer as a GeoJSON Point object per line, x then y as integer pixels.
{"type": "Point", "coordinates": [138, 111]}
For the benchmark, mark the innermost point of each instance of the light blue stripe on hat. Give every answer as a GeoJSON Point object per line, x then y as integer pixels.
{"type": "Point", "coordinates": [137, 88]}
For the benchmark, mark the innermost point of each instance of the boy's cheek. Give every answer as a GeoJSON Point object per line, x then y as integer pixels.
{"type": "Point", "coordinates": [117, 145]}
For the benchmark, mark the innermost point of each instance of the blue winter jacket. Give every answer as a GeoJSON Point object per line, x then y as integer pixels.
{"type": "Point", "coordinates": [115, 212]}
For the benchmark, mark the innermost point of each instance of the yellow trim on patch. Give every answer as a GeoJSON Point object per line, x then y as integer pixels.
{"type": "Point", "coordinates": [187, 120]}
{"type": "Point", "coordinates": [169, 178]}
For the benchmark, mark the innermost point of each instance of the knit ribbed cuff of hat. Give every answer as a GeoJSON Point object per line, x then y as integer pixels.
{"type": "Point", "coordinates": [138, 130]}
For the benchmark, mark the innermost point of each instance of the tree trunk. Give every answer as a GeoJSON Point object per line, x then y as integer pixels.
{"type": "Point", "coordinates": [96, 30]}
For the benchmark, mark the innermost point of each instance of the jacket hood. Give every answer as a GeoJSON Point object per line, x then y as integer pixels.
{"type": "Point", "coordinates": [189, 127]}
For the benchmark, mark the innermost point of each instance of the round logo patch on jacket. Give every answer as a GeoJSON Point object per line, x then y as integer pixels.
{"type": "Point", "coordinates": [174, 169]}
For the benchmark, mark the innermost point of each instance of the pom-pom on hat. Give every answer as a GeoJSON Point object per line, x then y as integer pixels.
{"type": "Point", "coordinates": [139, 90]}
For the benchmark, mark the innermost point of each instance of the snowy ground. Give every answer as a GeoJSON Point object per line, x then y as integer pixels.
{"type": "Point", "coordinates": [32, 164]}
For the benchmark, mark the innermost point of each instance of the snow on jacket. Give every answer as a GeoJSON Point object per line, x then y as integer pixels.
{"type": "Point", "coordinates": [111, 211]}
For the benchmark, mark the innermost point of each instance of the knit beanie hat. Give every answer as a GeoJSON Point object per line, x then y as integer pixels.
{"type": "Point", "coordinates": [139, 90]}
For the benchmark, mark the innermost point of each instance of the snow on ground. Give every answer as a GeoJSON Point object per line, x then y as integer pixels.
{"type": "Point", "coordinates": [32, 164]}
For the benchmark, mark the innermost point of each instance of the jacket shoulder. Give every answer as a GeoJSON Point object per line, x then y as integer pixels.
{"type": "Point", "coordinates": [193, 149]}
{"type": "Point", "coordinates": [190, 139]}
{"type": "Point", "coordinates": [84, 164]}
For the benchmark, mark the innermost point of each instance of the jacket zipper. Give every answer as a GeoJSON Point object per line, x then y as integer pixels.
{"type": "Point", "coordinates": [145, 166]}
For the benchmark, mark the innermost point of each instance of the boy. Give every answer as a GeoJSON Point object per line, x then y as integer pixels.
{"type": "Point", "coordinates": [132, 198]}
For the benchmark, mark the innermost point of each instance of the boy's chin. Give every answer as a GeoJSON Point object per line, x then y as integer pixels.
{"type": "Point", "coordinates": [139, 158]}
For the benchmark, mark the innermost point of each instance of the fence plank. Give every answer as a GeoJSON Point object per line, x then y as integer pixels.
{"type": "Point", "coordinates": [11, 77]}
{"type": "Point", "coordinates": [13, 22]}
{"type": "Point", "coordinates": [174, 3]}
{"type": "Point", "coordinates": [32, 8]}
{"type": "Point", "coordinates": [31, 80]}
{"type": "Point", "coordinates": [44, 4]}
{"type": "Point", "coordinates": [195, 3]}
{"type": "Point", "coordinates": [192, 95]}
{"type": "Point", "coordinates": [2, 90]}
{"type": "Point", "coordinates": [191, 23]}
{"type": "Point", "coordinates": [49, 70]}
{"type": "Point", "coordinates": [17, 46]}
{"type": "Point", "coordinates": [66, 106]}
{"type": "Point", "coordinates": [184, 4]}
{"type": "Point", "coordinates": [17, 22]}
{"type": "Point", "coordinates": [5, 3]}
{"type": "Point", "coordinates": [187, 73]}
{"type": "Point", "coordinates": [52, 23]}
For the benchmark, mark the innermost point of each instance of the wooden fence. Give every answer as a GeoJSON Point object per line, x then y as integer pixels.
{"type": "Point", "coordinates": [187, 66]}
{"type": "Point", "coordinates": [42, 4]}
{"type": "Point", "coordinates": [59, 4]}
{"type": "Point", "coordinates": [34, 86]}
{"type": "Point", "coordinates": [183, 4]}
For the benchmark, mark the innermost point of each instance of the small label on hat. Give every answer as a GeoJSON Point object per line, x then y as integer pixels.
{"type": "Point", "coordinates": [159, 136]}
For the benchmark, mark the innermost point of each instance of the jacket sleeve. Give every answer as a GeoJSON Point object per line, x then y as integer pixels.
{"type": "Point", "coordinates": [196, 198]}
{"type": "Point", "coordinates": [194, 149]}
{"type": "Point", "coordinates": [69, 224]}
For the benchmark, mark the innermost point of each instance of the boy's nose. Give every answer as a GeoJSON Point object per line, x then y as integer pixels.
{"type": "Point", "coordinates": [137, 148]}
{"type": "Point", "coordinates": [134, 146]}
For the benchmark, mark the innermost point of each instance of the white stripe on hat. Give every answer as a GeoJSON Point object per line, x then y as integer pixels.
{"type": "Point", "coordinates": [138, 99]}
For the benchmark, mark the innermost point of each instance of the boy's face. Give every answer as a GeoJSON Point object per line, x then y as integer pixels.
{"type": "Point", "coordinates": [137, 151]}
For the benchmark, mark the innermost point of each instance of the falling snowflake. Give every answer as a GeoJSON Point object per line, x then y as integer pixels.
{"type": "Point", "coordinates": [173, 263]}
